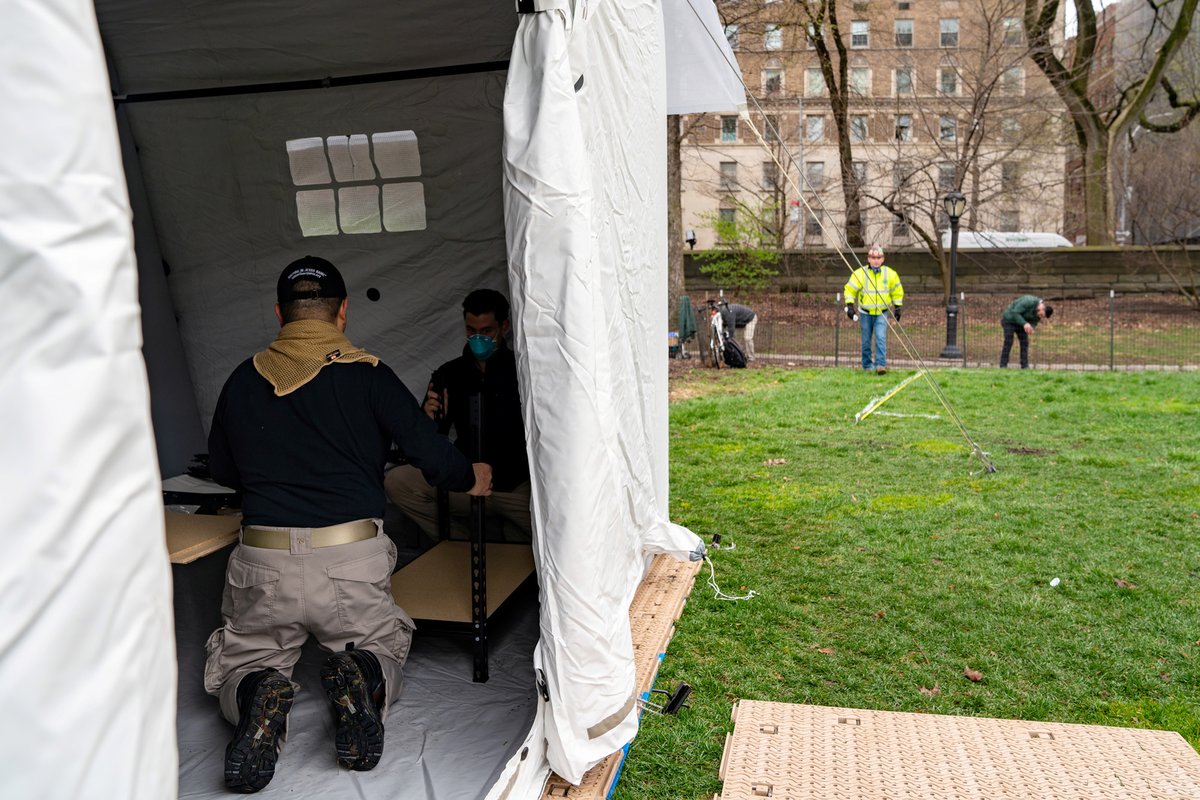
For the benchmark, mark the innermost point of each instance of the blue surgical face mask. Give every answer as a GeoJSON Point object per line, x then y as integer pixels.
{"type": "Point", "coordinates": [481, 346]}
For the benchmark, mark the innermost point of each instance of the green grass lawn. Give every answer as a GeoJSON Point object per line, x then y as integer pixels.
{"type": "Point", "coordinates": [886, 561]}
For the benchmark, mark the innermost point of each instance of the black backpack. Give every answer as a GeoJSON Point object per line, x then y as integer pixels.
{"type": "Point", "coordinates": [734, 355]}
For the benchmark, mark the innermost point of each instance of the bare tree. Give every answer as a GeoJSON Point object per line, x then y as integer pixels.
{"type": "Point", "coordinates": [970, 123]}
{"type": "Point", "coordinates": [1099, 129]}
{"type": "Point", "coordinates": [675, 287]}
{"type": "Point", "coordinates": [817, 19]}
{"type": "Point", "coordinates": [1170, 220]}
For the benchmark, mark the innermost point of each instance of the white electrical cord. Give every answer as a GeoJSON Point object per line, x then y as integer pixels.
{"type": "Point", "coordinates": [712, 576]}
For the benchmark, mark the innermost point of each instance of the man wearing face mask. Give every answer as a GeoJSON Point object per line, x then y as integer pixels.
{"type": "Point", "coordinates": [488, 367]}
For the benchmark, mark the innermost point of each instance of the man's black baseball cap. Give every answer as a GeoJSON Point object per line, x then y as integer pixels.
{"type": "Point", "coordinates": [310, 268]}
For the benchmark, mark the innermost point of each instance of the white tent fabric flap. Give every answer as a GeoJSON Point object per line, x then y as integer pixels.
{"type": "Point", "coordinates": [702, 72]}
{"type": "Point", "coordinates": [87, 657]}
{"type": "Point", "coordinates": [585, 213]}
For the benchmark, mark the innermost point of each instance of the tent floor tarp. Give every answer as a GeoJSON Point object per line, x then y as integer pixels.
{"type": "Point", "coordinates": [446, 737]}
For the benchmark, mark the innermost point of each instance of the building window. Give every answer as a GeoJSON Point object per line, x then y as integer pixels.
{"type": "Point", "coordinates": [773, 37]}
{"type": "Point", "coordinates": [770, 173]}
{"type": "Point", "coordinates": [903, 127]}
{"type": "Point", "coordinates": [814, 83]}
{"type": "Point", "coordinates": [947, 128]}
{"type": "Point", "coordinates": [1012, 82]}
{"type": "Point", "coordinates": [812, 33]}
{"type": "Point", "coordinates": [771, 129]}
{"type": "Point", "coordinates": [860, 34]}
{"type": "Point", "coordinates": [728, 176]}
{"type": "Point", "coordinates": [727, 222]}
{"type": "Point", "coordinates": [904, 81]}
{"type": "Point", "coordinates": [904, 33]}
{"type": "Point", "coordinates": [731, 36]}
{"type": "Point", "coordinates": [1010, 221]}
{"type": "Point", "coordinates": [858, 128]}
{"type": "Point", "coordinates": [899, 226]}
{"type": "Point", "coordinates": [859, 171]}
{"type": "Point", "coordinates": [1013, 33]}
{"type": "Point", "coordinates": [1010, 129]}
{"type": "Point", "coordinates": [812, 225]}
{"type": "Point", "coordinates": [772, 80]}
{"type": "Point", "coordinates": [814, 175]}
{"type": "Point", "coordinates": [946, 177]}
{"type": "Point", "coordinates": [901, 172]}
{"type": "Point", "coordinates": [948, 80]}
{"type": "Point", "coordinates": [1008, 176]}
{"type": "Point", "coordinates": [860, 81]}
{"type": "Point", "coordinates": [729, 129]}
{"type": "Point", "coordinates": [814, 128]}
{"type": "Point", "coordinates": [949, 32]}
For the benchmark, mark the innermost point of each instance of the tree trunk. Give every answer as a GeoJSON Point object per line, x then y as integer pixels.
{"type": "Point", "coordinates": [675, 288]}
{"type": "Point", "coordinates": [1095, 190]}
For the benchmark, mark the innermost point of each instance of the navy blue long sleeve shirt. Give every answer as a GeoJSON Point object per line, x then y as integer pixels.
{"type": "Point", "coordinates": [315, 457]}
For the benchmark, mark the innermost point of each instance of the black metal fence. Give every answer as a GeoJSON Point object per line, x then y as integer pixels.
{"type": "Point", "coordinates": [1118, 332]}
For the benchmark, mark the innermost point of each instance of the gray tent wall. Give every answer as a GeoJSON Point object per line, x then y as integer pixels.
{"type": "Point", "coordinates": [177, 431]}
{"type": "Point", "coordinates": [214, 91]}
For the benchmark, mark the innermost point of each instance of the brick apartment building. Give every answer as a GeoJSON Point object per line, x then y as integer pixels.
{"type": "Point", "coordinates": [941, 95]}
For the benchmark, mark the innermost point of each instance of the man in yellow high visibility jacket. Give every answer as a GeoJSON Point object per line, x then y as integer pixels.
{"type": "Point", "coordinates": [873, 288]}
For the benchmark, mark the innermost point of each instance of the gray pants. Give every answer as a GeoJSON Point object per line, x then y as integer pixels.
{"type": "Point", "coordinates": [748, 336]}
{"type": "Point", "coordinates": [407, 488]}
{"type": "Point", "coordinates": [274, 599]}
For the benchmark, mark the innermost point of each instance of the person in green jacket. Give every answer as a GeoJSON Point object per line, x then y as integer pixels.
{"type": "Point", "coordinates": [1020, 318]}
{"type": "Point", "coordinates": [873, 288]}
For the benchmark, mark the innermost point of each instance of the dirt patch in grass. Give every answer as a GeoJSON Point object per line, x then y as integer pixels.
{"type": "Point", "coordinates": [1029, 451]}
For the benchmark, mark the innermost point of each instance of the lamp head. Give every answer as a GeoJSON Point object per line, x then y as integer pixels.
{"type": "Point", "coordinates": [955, 204]}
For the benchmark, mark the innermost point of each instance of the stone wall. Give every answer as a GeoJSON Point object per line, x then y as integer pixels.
{"type": "Point", "coordinates": [1071, 273]}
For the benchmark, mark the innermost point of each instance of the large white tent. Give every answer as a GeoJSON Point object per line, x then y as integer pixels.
{"type": "Point", "coordinates": [427, 149]}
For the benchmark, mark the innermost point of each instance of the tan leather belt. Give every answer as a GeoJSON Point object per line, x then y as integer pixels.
{"type": "Point", "coordinates": [345, 533]}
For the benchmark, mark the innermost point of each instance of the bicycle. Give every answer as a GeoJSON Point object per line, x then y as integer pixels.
{"type": "Point", "coordinates": [717, 336]}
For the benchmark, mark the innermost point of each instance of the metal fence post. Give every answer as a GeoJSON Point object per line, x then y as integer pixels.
{"type": "Point", "coordinates": [962, 318]}
{"type": "Point", "coordinates": [837, 328]}
{"type": "Point", "coordinates": [1112, 326]}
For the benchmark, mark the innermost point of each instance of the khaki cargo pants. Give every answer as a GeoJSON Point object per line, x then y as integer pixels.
{"type": "Point", "coordinates": [408, 490]}
{"type": "Point", "coordinates": [274, 599]}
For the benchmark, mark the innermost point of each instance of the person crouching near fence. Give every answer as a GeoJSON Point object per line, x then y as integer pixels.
{"type": "Point", "coordinates": [1019, 319]}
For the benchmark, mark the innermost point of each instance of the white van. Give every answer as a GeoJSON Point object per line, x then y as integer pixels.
{"type": "Point", "coordinates": [1005, 240]}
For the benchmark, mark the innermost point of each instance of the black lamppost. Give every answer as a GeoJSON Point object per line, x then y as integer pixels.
{"type": "Point", "coordinates": [955, 204]}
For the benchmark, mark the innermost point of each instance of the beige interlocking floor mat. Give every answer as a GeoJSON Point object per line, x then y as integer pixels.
{"type": "Point", "coordinates": [658, 603]}
{"type": "Point", "coordinates": [806, 752]}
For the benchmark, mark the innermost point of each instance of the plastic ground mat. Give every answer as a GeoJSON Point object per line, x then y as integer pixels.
{"type": "Point", "coordinates": [658, 603]}
{"type": "Point", "coordinates": [804, 752]}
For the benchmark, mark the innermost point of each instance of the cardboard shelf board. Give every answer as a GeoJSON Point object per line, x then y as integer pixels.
{"type": "Point", "coordinates": [437, 586]}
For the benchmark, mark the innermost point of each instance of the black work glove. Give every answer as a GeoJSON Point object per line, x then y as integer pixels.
{"type": "Point", "coordinates": [896, 313]}
{"type": "Point", "coordinates": [850, 313]}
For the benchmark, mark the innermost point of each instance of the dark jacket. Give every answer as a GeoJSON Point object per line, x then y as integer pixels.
{"type": "Point", "coordinates": [503, 422]}
{"type": "Point", "coordinates": [735, 315]}
{"type": "Point", "coordinates": [315, 457]}
{"type": "Point", "coordinates": [1022, 310]}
